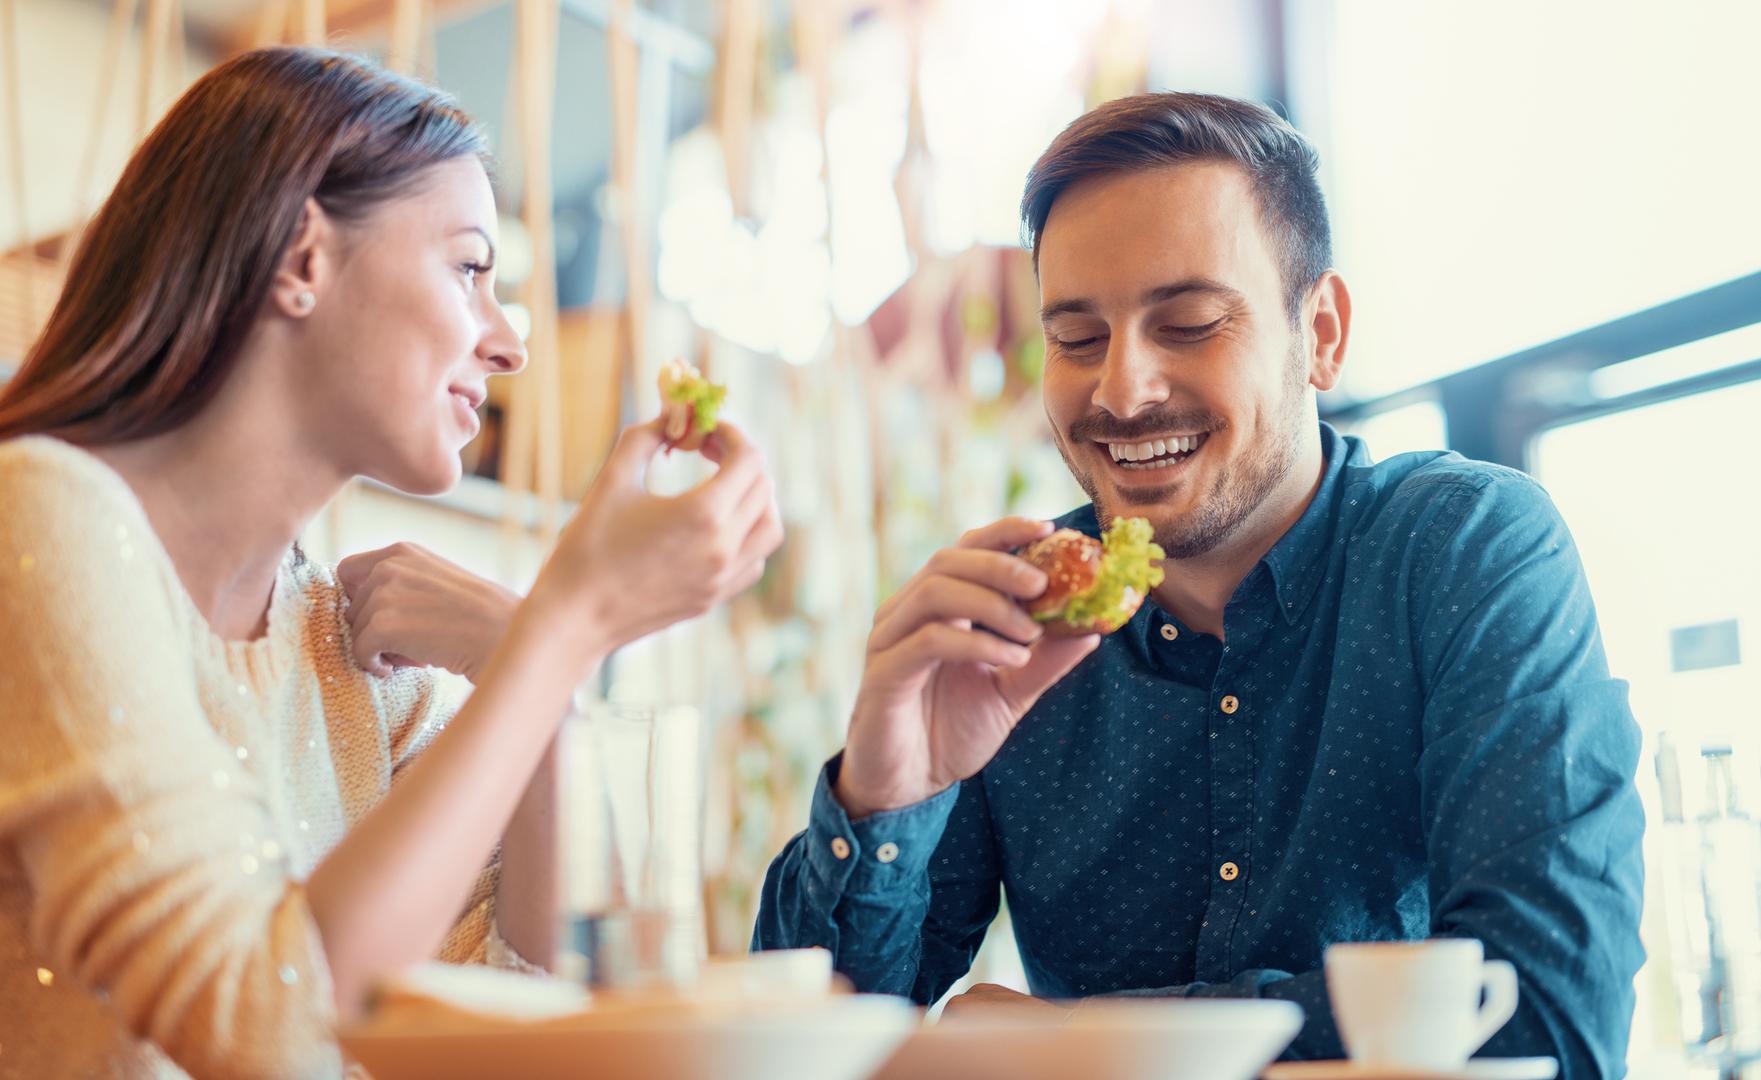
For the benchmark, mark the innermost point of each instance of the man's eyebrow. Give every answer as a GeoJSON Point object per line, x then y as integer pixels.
{"type": "Point", "coordinates": [1157, 295]}
{"type": "Point", "coordinates": [1065, 307]}
{"type": "Point", "coordinates": [480, 231]}
{"type": "Point", "coordinates": [1162, 293]}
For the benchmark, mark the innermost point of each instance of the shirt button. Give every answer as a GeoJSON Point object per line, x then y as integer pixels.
{"type": "Point", "coordinates": [840, 847]}
{"type": "Point", "coordinates": [887, 852]}
{"type": "Point", "coordinates": [1230, 704]}
{"type": "Point", "coordinates": [1170, 631]}
{"type": "Point", "coordinates": [1229, 871]}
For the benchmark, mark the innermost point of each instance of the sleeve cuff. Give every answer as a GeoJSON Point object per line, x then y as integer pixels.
{"type": "Point", "coordinates": [881, 853]}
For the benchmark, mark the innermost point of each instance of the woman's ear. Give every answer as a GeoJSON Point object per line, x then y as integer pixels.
{"type": "Point", "coordinates": [306, 265]}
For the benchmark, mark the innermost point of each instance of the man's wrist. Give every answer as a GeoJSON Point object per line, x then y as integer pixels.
{"type": "Point", "coordinates": [858, 805]}
{"type": "Point", "coordinates": [854, 808]}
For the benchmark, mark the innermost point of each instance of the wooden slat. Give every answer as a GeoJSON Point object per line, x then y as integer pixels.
{"type": "Point", "coordinates": [269, 28]}
{"type": "Point", "coordinates": [28, 288]}
{"type": "Point", "coordinates": [314, 22]}
{"type": "Point", "coordinates": [532, 457]}
{"type": "Point", "coordinates": [538, 37]}
{"type": "Point", "coordinates": [343, 18]}
{"type": "Point", "coordinates": [735, 85]}
{"type": "Point", "coordinates": [406, 36]}
{"type": "Point", "coordinates": [626, 108]}
{"type": "Point", "coordinates": [9, 52]}
{"type": "Point", "coordinates": [152, 50]}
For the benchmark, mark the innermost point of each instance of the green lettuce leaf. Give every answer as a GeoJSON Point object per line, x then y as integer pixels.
{"type": "Point", "coordinates": [1128, 558]}
{"type": "Point", "coordinates": [705, 399]}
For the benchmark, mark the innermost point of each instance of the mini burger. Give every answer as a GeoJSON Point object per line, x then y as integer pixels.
{"type": "Point", "coordinates": [689, 405]}
{"type": "Point", "coordinates": [1094, 586]}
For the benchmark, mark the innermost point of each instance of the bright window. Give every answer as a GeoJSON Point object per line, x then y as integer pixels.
{"type": "Point", "coordinates": [1505, 172]}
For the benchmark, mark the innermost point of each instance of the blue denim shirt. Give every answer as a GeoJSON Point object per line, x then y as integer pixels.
{"type": "Point", "coordinates": [1409, 730]}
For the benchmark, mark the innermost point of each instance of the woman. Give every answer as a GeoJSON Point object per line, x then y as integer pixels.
{"type": "Point", "coordinates": [203, 858]}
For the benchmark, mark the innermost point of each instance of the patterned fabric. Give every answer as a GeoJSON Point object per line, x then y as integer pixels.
{"type": "Point", "coordinates": [1408, 730]}
{"type": "Point", "coordinates": [164, 794]}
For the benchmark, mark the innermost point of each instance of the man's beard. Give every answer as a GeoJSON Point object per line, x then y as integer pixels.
{"type": "Point", "coordinates": [1237, 489]}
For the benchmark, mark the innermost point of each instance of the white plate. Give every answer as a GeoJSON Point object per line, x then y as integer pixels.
{"type": "Point", "coordinates": [1535, 1068]}
{"type": "Point", "coordinates": [843, 1038]}
{"type": "Point", "coordinates": [1104, 1040]}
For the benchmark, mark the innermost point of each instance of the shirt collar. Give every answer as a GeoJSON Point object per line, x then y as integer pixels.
{"type": "Point", "coordinates": [1298, 561]}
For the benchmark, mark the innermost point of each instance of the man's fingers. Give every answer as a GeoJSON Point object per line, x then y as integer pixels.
{"type": "Point", "coordinates": [992, 570]}
{"type": "Point", "coordinates": [1053, 658]}
{"type": "Point", "coordinates": [939, 599]}
{"type": "Point", "coordinates": [1007, 534]}
{"type": "Point", "coordinates": [940, 643]}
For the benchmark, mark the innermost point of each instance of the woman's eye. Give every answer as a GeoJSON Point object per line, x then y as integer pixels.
{"type": "Point", "coordinates": [1076, 345]}
{"type": "Point", "coordinates": [471, 270]}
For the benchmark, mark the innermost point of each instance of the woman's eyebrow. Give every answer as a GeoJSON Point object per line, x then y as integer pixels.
{"type": "Point", "coordinates": [480, 231]}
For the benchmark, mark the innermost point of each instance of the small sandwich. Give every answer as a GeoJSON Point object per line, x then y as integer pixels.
{"type": "Point", "coordinates": [1094, 586]}
{"type": "Point", "coordinates": [689, 404]}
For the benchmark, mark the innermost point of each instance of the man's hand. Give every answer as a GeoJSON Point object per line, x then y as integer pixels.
{"type": "Point", "coordinates": [954, 662]}
{"type": "Point", "coordinates": [409, 606]}
{"type": "Point", "coordinates": [989, 998]}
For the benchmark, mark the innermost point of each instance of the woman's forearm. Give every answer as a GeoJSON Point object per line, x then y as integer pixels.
{"type": "Point", "coordinates": [386, 895]}
{"type": "Point", "coordinates": [526, 897]}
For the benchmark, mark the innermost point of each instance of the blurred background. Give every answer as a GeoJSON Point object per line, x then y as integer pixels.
{"type": "Point", "coordinates": [1547, 213]}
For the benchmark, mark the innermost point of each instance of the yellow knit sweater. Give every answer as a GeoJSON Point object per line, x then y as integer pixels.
{"type": "Point", "coordinates": [164, 794]}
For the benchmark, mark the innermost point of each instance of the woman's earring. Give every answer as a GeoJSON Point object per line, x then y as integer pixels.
{"type": "Point", "coordinates": [305, 301]}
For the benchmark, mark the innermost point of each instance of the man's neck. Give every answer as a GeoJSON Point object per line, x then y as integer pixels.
{"type": "Point", "coordinates": [1196, 591]}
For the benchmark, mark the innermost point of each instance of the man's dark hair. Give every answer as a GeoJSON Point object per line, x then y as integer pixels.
{"type": "Point", "coordinates": [1154, 131]}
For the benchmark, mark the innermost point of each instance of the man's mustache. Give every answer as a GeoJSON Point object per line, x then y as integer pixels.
{"type": "Point", "coordinates": [1103, 427]}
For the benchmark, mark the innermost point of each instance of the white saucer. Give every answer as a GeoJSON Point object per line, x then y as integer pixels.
{"type": "Point", "coordinates": [1535, 1068]}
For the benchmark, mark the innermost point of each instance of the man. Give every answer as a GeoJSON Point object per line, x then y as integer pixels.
{"type": "Point", "coordinates": [1369, 701]}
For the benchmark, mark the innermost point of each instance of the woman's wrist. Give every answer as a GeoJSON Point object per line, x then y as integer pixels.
{"type": "Point", "coordinates": [571, 632]}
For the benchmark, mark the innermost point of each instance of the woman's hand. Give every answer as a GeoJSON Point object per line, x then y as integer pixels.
{"type": "Point", "coordinates": [631, 563]}
{"type": "Point", "coordinates": [408, 606]}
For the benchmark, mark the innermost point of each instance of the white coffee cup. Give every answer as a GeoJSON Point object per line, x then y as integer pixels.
{"type": "Point", "coordinates": [1418, 1003]}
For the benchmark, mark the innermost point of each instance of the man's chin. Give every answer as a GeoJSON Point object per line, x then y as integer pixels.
{"type": "Point", "coordinates": [1161, 519]}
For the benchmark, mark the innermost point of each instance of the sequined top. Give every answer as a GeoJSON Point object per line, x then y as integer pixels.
{"type": "Point", "coordinates": [164, 795]}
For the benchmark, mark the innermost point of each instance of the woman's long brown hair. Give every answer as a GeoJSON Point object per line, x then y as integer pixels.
{"type": "Point", "coordinates": [172, 271]}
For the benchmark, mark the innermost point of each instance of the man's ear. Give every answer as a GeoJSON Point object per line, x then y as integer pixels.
{"type": "Point", "coordinates": [307, 265]}
{"type": "Point", "coordinates": [1326, 329]}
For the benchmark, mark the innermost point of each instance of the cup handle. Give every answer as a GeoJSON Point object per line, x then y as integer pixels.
{"type": "Point", "coordinates": [1498, 979]}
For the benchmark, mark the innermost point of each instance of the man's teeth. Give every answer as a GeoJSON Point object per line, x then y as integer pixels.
{"type": "Point", "coordinates": [1144, 451]}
